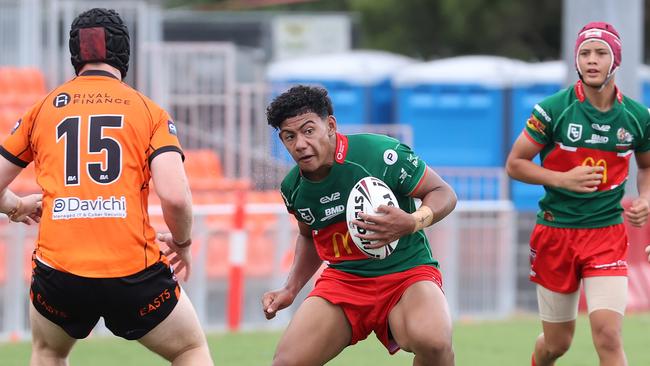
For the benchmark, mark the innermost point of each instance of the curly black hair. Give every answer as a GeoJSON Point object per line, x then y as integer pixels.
{"type": "Point", "coordinates": [298, 100]}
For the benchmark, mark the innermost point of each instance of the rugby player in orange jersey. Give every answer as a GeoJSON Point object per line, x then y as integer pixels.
{"type": "Point", "coordinates": [95, 143]}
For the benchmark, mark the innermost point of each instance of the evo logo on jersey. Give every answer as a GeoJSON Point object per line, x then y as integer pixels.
{"type": "Point", "coordinates": [331, 198]}
{"type": "Point", "coordinates": [601, 127]}
{"type": "Point", "coordinates": [75, 208]}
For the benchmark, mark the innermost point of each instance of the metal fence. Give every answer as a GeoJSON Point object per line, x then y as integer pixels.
{"type": "Point", "coordinates": [475, 246]}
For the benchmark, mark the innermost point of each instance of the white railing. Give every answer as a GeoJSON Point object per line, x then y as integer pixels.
{"type": "Point", "coordinates": [477, 183]}
{"type": "Point", "coordinates": [475, 246]}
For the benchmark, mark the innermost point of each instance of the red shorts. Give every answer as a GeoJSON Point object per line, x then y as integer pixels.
{"type": "Point", "coordinates": [367, 301]}
{"type": "Point", "coordinates": [560, 257]}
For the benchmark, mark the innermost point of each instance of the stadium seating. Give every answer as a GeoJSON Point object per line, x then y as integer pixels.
{"type": "Point", "coordinates": [21, 87]}
{"type": "Point", "coordinates": [205, 173]}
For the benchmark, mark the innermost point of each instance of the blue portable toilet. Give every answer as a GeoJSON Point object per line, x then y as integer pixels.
{"type": "Point", "coordinates": [530, 85]}
{"type": "Point", "coordinates": [456, 107]}
{"type": "Point", "coordinates": [358, 82]}
{"type": "Point", "coordinates": [644, 76]}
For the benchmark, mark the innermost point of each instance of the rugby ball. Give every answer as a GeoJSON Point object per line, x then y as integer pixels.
{"type": "Point", "coordinates": [366, 195]}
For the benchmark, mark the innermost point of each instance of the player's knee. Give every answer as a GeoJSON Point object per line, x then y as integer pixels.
{"type": "Point", "coordinates": [193, 347]}
{"type": "Point", "coordinates": [558, 346]}
{"type": "Point", "coordinates": [42, 349]}
{"type": "Point", "coordinates": [436, 347]}
{"type": "Point", "coordinates": [194, 352]}
{"type": "Point", "coordinates": [607, 338]}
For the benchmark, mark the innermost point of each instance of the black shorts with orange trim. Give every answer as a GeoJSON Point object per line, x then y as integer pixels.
{"type": "Point", "coordinates": [131, 306]}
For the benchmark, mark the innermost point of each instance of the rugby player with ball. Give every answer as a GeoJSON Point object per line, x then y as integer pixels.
{"type": "Point", "coordinates": [380, 276]}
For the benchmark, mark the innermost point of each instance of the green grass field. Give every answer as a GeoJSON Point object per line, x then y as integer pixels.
{"type": "Point", "coordinates": [476, 344]}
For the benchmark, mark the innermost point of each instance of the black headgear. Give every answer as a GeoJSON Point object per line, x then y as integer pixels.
{"type": "Point", "coordinates": [99, 35]}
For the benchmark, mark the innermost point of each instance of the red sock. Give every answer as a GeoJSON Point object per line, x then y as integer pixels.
{"type": "Point", "coordinates": [533, 360]}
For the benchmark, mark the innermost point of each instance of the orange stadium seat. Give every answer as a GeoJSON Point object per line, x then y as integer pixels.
{"type": "Point", "coordinates": [9, 115]}
{"type": "Point", "coordinates": [32, 81]}
{"type": "Point", "coordinates": [203, 169]}
{"type": "Point", "coordinates": [8, 85]}
{"type": "Point", "coordinates": [21, 87]}
{"type": "Point", "coordinates": [205, 173]}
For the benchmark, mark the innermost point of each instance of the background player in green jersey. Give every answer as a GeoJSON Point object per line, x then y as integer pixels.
{"type": "Point", "coordinates": [399, 297]}
{"type": "Point", "coordinates": [585, 136]}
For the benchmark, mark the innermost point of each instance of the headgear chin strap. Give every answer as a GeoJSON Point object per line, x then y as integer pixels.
{"type": "Point", "coordinates": [99, 35]}
{"type": "Point", "coordinates": [606, 34]}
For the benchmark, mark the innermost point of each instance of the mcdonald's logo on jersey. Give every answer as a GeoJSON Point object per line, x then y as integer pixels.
{"type": "Point", "coordinates": [334, 244]}
{"type": "Point", "coordinates": [600, 162]}
{"type": "Point", "coordinates": [342, 239]}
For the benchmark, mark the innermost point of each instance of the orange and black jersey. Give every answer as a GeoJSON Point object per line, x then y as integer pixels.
{"type": "Point", "coordinates": [92, 140]}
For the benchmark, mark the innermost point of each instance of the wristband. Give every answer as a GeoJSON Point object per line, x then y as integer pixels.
{"type": "Point", "coordinates": [184, 244]}
{"type": "Point", "coordinates": [12, 214]}
{"type": "Point", "coordinates": [423, 217]}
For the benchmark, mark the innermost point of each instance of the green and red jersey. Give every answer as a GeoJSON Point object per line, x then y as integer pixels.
{"type": "Point", "coordinates": [573, 133]}
{"type": "Point", "coordinates": [321, 205]}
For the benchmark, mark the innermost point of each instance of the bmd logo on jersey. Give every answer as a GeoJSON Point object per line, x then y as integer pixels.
{"type": "Point", "coordinates": [61, 100]}
{"type": "Point", "coordinates": [171, 127]}
{"type": "Point", "coordinates": [574, 133]}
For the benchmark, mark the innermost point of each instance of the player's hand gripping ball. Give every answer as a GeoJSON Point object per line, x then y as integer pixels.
{"type": "Point", "coordinates": [368, 194]}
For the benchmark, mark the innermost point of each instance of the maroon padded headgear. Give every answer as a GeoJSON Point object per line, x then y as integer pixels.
{"type": "Point", "coordinates": [601, 32]}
